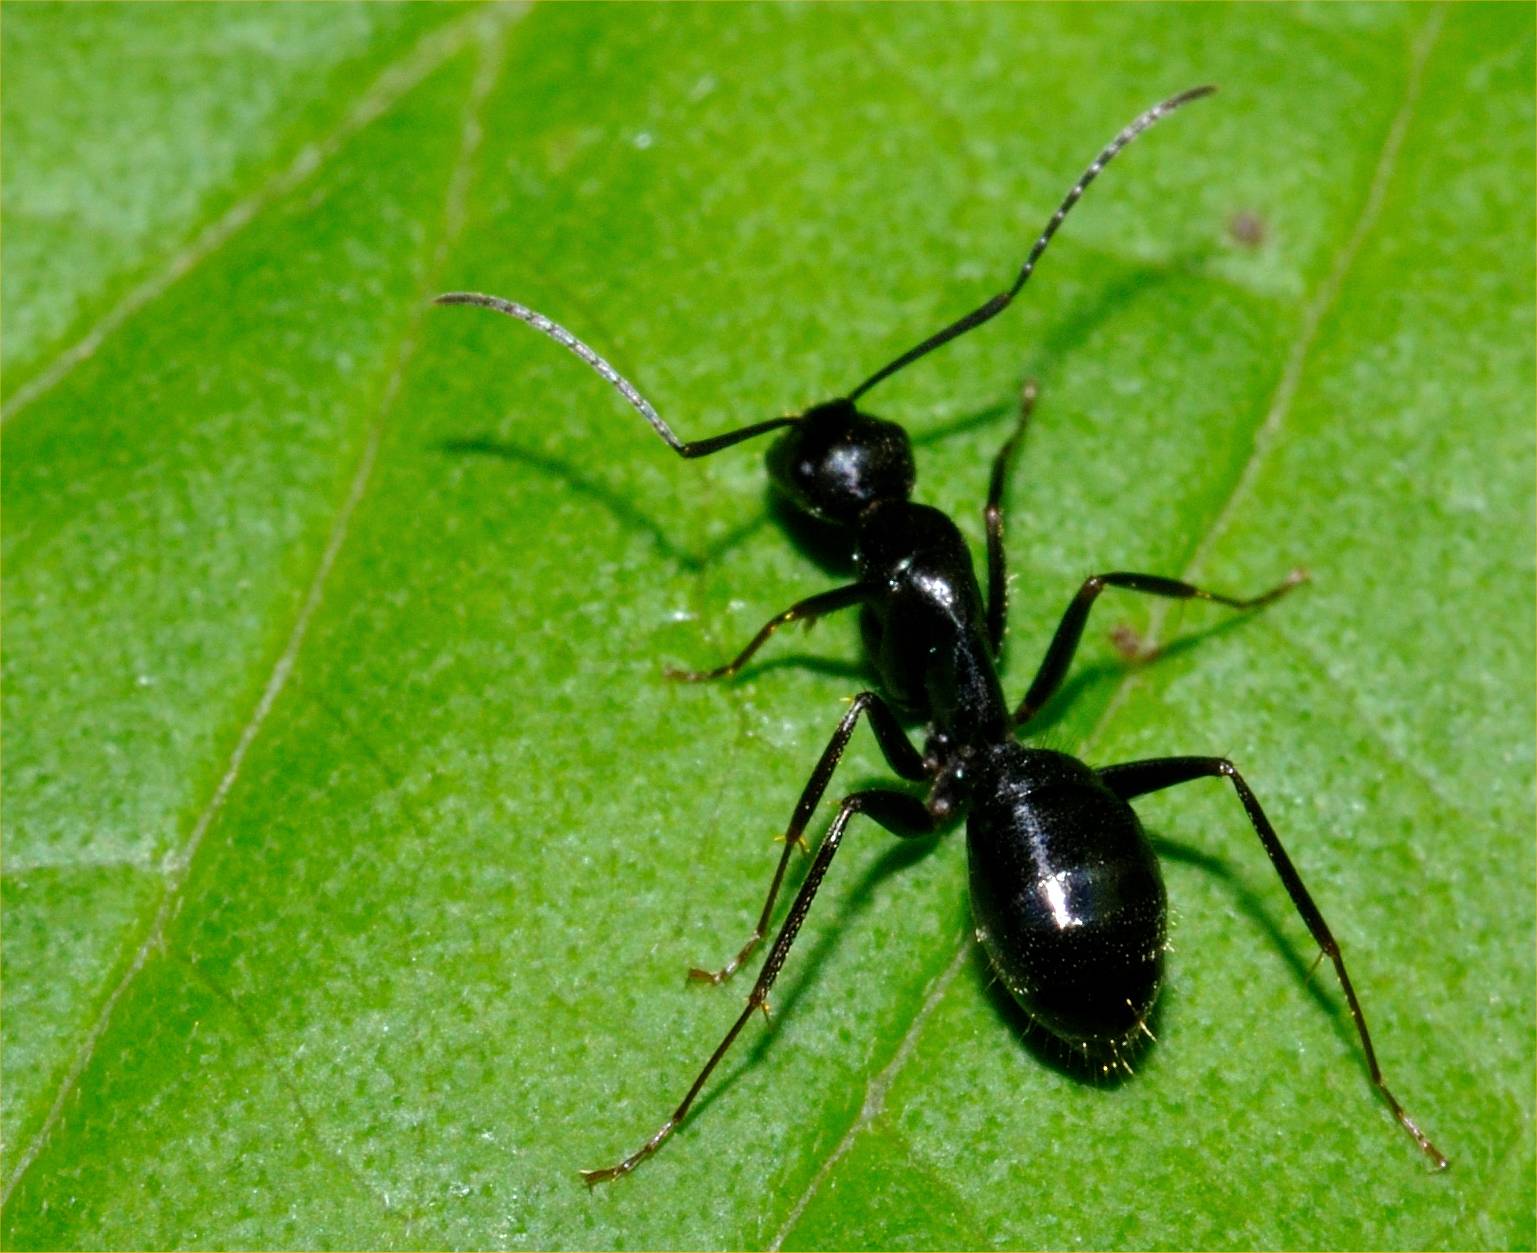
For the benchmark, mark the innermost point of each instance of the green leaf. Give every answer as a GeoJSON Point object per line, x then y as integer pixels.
{"type": "Point", "coordinates": [354, 844]}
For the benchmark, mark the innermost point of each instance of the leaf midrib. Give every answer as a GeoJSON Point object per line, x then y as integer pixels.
{"type": "Point", "coordinates": [177, 867]}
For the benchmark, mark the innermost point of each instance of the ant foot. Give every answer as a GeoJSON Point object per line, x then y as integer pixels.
{"type": "Point", "coordinates": [678, 675]}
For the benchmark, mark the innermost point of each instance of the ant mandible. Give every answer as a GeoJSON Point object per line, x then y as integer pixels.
{"type": "Point", "coordinates": [1066, 892]}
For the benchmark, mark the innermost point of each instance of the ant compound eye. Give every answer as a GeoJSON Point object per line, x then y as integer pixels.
{"type": "Point", "coordinates": [836, 461]}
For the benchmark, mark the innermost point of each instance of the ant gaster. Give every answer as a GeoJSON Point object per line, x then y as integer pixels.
{"type": "Point", "coordinates": [1066, 892]}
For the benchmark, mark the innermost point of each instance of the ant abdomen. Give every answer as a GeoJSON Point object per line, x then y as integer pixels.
{"type": "Point", "coordinates": [834, 461]}
{"type": "Point", "coordinates": [1067, 898]}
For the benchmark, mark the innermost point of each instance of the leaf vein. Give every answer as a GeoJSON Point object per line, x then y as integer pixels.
{"type": "Point", "coordinates": [178, 865]}
{"type": "Point", "coordinates": [393, 82]}
{"type": "Point", "coordinates": [875, 1091]}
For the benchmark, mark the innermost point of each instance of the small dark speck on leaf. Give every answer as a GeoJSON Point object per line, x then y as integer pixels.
{"type": "Point", "coordinates": [1246, 229]}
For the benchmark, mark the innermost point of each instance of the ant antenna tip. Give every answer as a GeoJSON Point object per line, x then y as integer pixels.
{"type": "Point", "coordinates": [997, 304]}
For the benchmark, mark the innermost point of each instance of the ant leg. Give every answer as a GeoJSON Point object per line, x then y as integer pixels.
{"type": "Point", "coordinates": [896, 811]}
{"type": "Point", "coordinates": [808, 610]}
{"type": "Point", "coordinates": [997, 590]}
{"type": "Point", "coordinates": [899, 753]}
{"type": "Point", "coordinates": [1070, 630]}
{"type": "Point", "coordinates": [1137, 778]}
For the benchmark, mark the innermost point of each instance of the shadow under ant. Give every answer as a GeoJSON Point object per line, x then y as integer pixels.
{"type": "Point", "coordinates": [605, 497]}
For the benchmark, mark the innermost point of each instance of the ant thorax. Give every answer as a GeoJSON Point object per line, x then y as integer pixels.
{"type": "Point", "coordinates": [925, 630]}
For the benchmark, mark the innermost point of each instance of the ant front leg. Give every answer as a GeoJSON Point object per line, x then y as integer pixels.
{"type": "Point", "coordinates": [896, 811]}
{"type": "Point", "coordinates": [997, 589]}
{"type": "Point", "coordinates": [1137, 778]}
{"type": "Point", "coordinates": [808, 610]}
{"type": "Point", "coordinates": [1070, 630]}
{"type": "Point", "coordinates": [899, 753]}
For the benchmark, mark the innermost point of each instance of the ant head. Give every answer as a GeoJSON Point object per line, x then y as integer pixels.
{"type": "Point", "coordinates": [835, 461]}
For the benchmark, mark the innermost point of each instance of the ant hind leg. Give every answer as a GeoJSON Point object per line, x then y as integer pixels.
{"type": "Point", "coordinates": [1137, 778]}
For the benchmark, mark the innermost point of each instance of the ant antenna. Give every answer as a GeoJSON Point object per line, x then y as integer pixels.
{"type": "Point", "coordinates": [622, 385]}
{"type": "Point", "coordinates": [1000, 302]}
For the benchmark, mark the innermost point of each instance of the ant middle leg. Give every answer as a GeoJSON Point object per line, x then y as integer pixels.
{"type": "Point", "coordinates": [900, 814]}
{"type": "Point", "coordinates": [808, 610]}
{"type": "Point", "coordinates": [997, 589]}
{"type": "Point", "coordinates": [899, 753]}
{"type": "Point", "coordinates": [1070, 630]}
{"type": "Point", "coordinates": [1137, 778]}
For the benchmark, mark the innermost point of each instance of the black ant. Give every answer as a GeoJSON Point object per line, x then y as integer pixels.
{"type": "Point", "coordinates": [1066, 891]}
